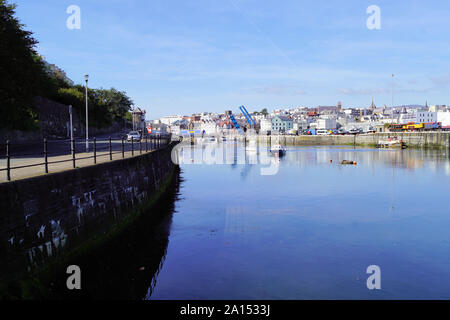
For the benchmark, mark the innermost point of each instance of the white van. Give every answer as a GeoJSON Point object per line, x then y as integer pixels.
{"type": "Point", "coordinates": [322, 132]}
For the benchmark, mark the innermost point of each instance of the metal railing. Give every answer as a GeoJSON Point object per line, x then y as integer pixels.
{"type": "Point", "coordinates": [109, 147]}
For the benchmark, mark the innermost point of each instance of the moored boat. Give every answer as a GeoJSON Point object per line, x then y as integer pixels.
{"type": "Point", "coordinates": [278, 150]}
{"type": "Point", "coordinates": [391, 143]}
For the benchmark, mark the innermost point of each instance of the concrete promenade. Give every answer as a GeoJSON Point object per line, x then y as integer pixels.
{"type": "Point", "coordinates": [61, 162]}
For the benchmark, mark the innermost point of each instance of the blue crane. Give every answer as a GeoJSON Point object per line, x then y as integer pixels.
{"type": "Point", "coordinates": [236, 125]}
{"type": "Point", "coordinates": [247, 116]}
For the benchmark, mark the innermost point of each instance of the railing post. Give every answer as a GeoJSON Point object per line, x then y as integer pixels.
{"type": "Point", "coordinates": [110, 149]}
{"type": "Point", "coordinates": [95, 150]}
{"type": "Point", "coordinates": [146, 145]}
{"type": "Point", "coordinates": [73, 152]}
{"type": "Point", "coordinates": [8, 161]}
{"type": "Point", "coordinates": [123, 149]}
{"type": "Point", "coordinates": [132, 146]}
{"type": "Point", "coordinates": [45, 156]}
{"type": "Point", "coordinates": [140, 146]}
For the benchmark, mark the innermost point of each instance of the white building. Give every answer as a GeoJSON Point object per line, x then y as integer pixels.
{"type": "Point", "coordinates": [265, 125]}
{"type": "Point", "coordinates": [443, 118]}
{"type": "Point", "coordinates": [419, 116]}
{"type": "Point", "coordinates": [258, 117]}
{"type": "Point", "coordinates": [168, 120]}
{"type": "Point", "coordinates": [209, 127]}
{"type": "Point", "coordinates": [426, 117]}
{"type": "Point", "coordinates": [301, 125]}
{"type": "Point", "coordinates": [437, 108]}
{"type": "Point", "coordinates": [327, 124]}
{"type": "Point", "coordinates": [405, 118]}
{"type": "Point", "coordinates": [175, 130]}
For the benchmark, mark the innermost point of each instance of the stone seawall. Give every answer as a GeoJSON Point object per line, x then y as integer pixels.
{"type": "Point", "coordinates": [50, 215]}
{"type": "Point", "coordinates": [412, 139]}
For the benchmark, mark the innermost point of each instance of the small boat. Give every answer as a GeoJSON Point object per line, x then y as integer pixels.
{"type": "Point", "coordinates": [278, 150]}
{"type": "Point", "coordinates": [391, 143]}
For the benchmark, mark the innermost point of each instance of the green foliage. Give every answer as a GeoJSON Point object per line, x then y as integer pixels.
{"type": "Point", "coordinates": [129, 117]}
{"type": "Point", "coordinates": [21, 71]}
{"type": "Point", "coordinates": [264, 112]}
{"type": "Point", "coordinates": [105, 106]}
{"type": "Point", "coordinates": [24, 75]}
{"type": "Point", "coordinates": [115, 103]}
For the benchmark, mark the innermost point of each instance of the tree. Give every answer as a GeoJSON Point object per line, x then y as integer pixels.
{"type": "Point", "coordinates": [105, 106]}
{"type": "Point", "coordinates": [264, 112]}
{"type": "Point", "coordinates": [116, 102]}
{"type": "Point", "coordinates": [22, 72]}
{"type": "Point", "coordinates": [25, 74]}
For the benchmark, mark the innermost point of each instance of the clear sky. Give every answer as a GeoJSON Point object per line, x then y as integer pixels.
{"type": "Point", "coordinates": [180, 57]}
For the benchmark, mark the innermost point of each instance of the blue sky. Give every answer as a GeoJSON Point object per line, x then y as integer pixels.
{"type": "Point", "coordinates": [180, 57]}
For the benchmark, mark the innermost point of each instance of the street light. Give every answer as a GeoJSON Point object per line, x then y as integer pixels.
{"type": "Point", "coordinates": [86, 77]}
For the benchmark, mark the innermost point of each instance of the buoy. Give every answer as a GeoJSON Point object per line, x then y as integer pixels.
{"type": "Point", "coordinates": [354, 163]}
{"type": "Point", "coordinates": [331, 161]}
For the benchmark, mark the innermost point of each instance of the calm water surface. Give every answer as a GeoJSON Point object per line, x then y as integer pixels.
{"type": "Point", "coordinates": [310, 230]}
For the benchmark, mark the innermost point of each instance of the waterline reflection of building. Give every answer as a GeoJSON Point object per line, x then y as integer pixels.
{"type": "Point", "coordinates": [236, 153]}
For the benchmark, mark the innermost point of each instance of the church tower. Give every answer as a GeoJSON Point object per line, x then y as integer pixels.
{"type": "Point", "coordinates": [372, 105]}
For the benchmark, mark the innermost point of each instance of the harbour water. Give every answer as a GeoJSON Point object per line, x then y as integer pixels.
{"type": "Point", "coordinates": [309, 230]}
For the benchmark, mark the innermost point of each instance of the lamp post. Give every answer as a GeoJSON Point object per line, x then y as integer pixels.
{"type": "Point", "coordinates": [71, 123]}
{"type": "Point", "coordinates": [86, 77]}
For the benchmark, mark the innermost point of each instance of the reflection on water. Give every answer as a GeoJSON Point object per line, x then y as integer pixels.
{"type": "Point", "coordinates": [127, 266]}
{"type": "Point", "coordinates": [232, 153]}
{"type": "Point", "coordinates": [307, 232]}
{"type": "Point", "coordinates": [310, 230]}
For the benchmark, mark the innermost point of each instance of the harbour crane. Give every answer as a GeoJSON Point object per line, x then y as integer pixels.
{"type": "Point", "coordinates": [236, 124]}
{"type": "Point", "coordinates": [247, 116]}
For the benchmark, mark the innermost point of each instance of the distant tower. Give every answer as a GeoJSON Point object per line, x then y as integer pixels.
{"type": "Point", "coordinates": [426, 104]}
{"type": "Point", "coordinates": [372, 105]}
{"type": "Point", "coordinates": [339, 106]}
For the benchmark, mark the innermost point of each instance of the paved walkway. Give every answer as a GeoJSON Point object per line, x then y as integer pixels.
{"type": "Point", "coordinates": [39, 168]}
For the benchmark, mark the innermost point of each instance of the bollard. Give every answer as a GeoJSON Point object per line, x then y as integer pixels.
{"type": "Point", "coordinates": [8, 162]}
{"type": "Point", "coordinates": [123, 149]}
{"type": "Point", "coordinates": [45, 155]}
{"type": "Point", "coordinates": [132, 146]}
{"type": "Point", "coordinates": [95, 150]}
{"type": "Point", "coordinates": [72, 142]}
{"type": "Point", "coordinates": [110, 149]}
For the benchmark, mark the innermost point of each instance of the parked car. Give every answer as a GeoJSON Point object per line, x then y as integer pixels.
{"type": "Point", "coordinates": [354, 131]}
{"type": "Point", "coordinates": [136, 136]}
